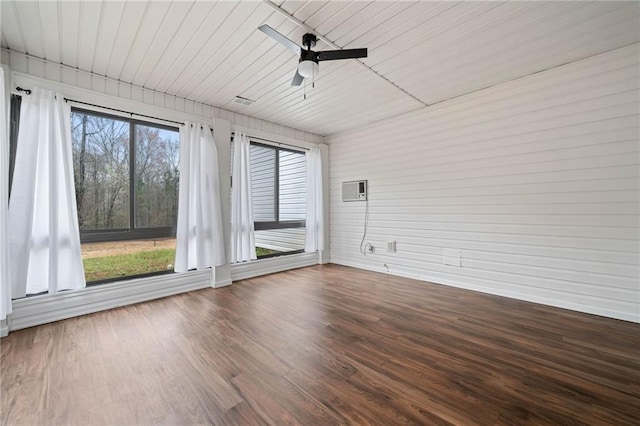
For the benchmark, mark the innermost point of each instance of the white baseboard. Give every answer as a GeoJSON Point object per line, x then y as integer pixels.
{"type": "Point", "coordinates": [324, 257]}
{"type": "Point", "coordinates": [224, 283]}
{"type": "Point", "coordinates": [484, 286]}
{"type": "Point", "coordinates": [242, 271]}
{"type": "Point", "coordinates": [42, 309]}
{"type": "Point", "coordinates": [4, 328]}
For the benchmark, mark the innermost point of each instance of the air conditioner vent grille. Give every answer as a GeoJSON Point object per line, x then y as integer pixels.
{"type": "Point", "coordinates": [243, 101]}
{"type": "Point", "coordinates": [354, 191]}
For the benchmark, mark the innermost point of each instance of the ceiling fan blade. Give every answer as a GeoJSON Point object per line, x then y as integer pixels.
{"type": "Point", "coordinates": [297, 79]}
{"type": "Point", "coordinates": [331, 55]}
{"type": "Point", "coordinates": [280, 39]}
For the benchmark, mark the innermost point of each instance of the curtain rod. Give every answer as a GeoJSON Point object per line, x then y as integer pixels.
{"type": "Point", "coordinates": [28, 92]}
{"type": "Point", "coordinates": [274, 142]}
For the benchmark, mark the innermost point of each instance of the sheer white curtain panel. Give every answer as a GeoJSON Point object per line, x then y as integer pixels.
{"type": "Point", "coordinates": [243, 244]}
{"type": "Point", "coordinates": [5, 286]}
{"type": "Point", "coordinates": [315, 206]}
{"type": "Point", "coordinates": [199, 237]}
{"type": "Point", "coordinates": [44, 239]}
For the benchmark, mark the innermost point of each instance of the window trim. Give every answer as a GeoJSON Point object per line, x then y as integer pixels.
{"type": "Point", "coordinates": [110, 235]}
{"type": "Point", "coordinates": [281, 253]}
{"type": "Point", "coordinates": [284, 224]}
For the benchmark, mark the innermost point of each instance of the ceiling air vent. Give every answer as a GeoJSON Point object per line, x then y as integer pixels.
{"type": "Point", "coordinates": [243, 101]}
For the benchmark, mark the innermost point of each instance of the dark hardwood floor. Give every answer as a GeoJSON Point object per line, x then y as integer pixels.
{"type": "Point", "coordinates": [325, 345]}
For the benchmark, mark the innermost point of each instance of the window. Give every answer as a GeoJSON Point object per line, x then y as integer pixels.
{"type": "Point", "coordinates": [126, 179]}
{"type": "Point", "coordinates": [278, 183]}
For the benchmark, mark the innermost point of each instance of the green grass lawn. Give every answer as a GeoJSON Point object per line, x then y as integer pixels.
{"type": "Point", "coordinates": [142, 262]}
{"type": "Point", "coordinates": [263, 251]}
{"type": "Point", "coordinates": [123, 265]}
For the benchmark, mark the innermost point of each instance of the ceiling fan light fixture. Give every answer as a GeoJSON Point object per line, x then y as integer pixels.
{"type": "Point", "coordinates": [308, 68]}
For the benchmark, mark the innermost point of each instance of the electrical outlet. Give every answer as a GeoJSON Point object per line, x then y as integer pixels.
{"type": "Point", "coordinates": [391, 246]}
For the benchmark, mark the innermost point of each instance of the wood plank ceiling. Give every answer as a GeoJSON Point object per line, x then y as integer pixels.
{"type": "Point", "coordinates": [420, 53]}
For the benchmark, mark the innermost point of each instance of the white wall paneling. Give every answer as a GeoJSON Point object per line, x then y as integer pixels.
{"type": "Point", "coordinates": [535, 181]}
{"type": "Point", "coordinates": [287, 239]}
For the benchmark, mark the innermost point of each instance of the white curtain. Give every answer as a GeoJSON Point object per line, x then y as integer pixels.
{"type": "Point", "coordinates": [44, 239]}
{"type": "Point", "coordinates": [199, 237]}
{"type": "Point", "coordinates": [315, 205]}
{"type": "Point", "coordinates": [5, 286]}
{"type": "Point", "coordinates": [243, 244]}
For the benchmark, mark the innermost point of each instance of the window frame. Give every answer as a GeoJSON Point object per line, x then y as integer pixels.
{"type": "Point", "coordinates": [14, 129]}
{"type": "Point", "coordinates": [132, 232]}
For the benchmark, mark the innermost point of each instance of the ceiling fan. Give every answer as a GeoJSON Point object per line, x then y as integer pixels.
{"type": "Point", "coordinates": [308, 63]}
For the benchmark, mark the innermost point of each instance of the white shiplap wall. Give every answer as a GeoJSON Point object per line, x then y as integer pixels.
{"type": "Point", "coordinates": [293, 186]}
{"type": "Point", "coordinates": [263, 182]}
{"type": "Point", "coordinates": [287, 239]}
{"type": "Point", "coordinates": [536, 182]}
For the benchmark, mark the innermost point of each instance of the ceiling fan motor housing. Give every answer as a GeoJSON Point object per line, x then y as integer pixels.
{"type": "Point", "coordinates": [308, 55]}
{"type": "Point", "coordinates": [309, 40]}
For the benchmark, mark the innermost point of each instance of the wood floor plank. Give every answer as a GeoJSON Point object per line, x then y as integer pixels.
{"type": "Point", "coordinates": [325, 345]}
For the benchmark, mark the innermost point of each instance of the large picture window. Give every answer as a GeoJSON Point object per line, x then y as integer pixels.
{"type": "Point", "coordinates": [126, 176]}
{"type": "Point", "coordinates": [126, 179]}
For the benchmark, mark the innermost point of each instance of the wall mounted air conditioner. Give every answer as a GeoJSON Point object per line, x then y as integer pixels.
{"type": "Point", "coordinates": [354, 191]}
